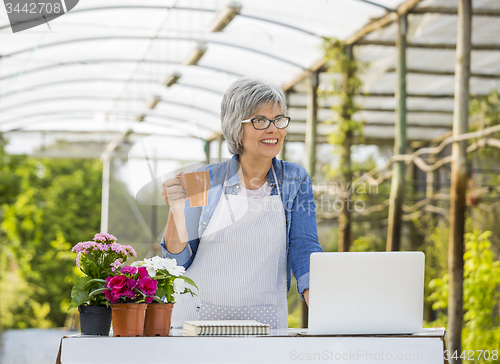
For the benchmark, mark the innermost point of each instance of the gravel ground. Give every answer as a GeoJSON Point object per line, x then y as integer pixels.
{"type": "Point", "coordinates": [31, 346]}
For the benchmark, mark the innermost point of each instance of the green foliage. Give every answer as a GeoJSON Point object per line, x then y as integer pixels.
{"type": "Point", "coordinates": [55, 203]}
{"type": "Point", "coordinates": [367, 243]}
{"type": "Point", "coordinates": [485, 111]}
{"type": "Point", "coordinates": [10, 184]}
{"type": "Point", "coordinates": [79, 293]}
{"type": "Point", "coordinates": [295, 318]}
{"type": "Point", "coordinates": [339, 61]}
{"type": "Point", "coordinates": [435, 247]}
{"type": "Point", "coordinates": [481, 295]}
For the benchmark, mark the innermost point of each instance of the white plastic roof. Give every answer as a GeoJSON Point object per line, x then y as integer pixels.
{"type": "Point", "coordinates": [90, 73]}
{"type": "Point", "coordinates": [97, 65]}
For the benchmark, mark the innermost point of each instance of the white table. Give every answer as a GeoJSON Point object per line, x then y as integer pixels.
{"type": "Point", "coordinates": [292, 346]}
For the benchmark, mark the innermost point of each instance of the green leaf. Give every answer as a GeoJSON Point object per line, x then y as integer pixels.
{"type": "Point", "coordinates": [190, 281]}
{"type": "Point", "coordinates": [97, 291]}
{"type": "Point", "coordinates": [95, 280]}
{"type": "Point", "coordinates": [79, 293]}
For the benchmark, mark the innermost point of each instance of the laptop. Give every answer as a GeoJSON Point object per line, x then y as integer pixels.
{"type": "Point", "coordinates": [366, 293]}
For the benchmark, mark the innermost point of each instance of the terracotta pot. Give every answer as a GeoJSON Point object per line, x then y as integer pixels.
{"type": "Point", "coordinates": [157, 322]}
{"type": "Point", "coordinates": [128, 318]}
{"type": "Point", "coordinates": [95, 320]}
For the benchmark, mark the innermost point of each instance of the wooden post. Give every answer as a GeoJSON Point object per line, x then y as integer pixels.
{"type": "Point", "coordinates": [282, 154]}
{"type": "Point", "coordinates": [459, 178]}
{"type": "Point", "coordinates": [310, 145]}
{"type": "Point", "coordinates": [345, 166]}
{"type": "Point", "coordinates": [219, 140]}
{"type": "Point", "coordinates": [311, 122]}
{"type": "Point", "coordinates": [106, 166]}
{"type": "Point", "coordinates": [207, 150]}
{"type": "Point", "coordinates": [397, 185]}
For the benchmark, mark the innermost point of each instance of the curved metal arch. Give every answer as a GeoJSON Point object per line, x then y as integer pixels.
{"type": "Point", "coordinates": [29, 116]}
{"type": "Point", "coordinates": [59, 112]}
{"type": "Point", "coordinates": [134, 37]}
{"type": "Point", "coordinates": [152, 7]}
{"type": "Point", "coordinates": [97, 61]}
{"type": "Point", "coordinates": [48, 99]}
{"type": "Point", "coordinates": [31, 102]}
{"type": "Point", "coordinates": [150, 122]}
{"type": "Point", "coordinates": [77, 80]}
{"type": "Point", "coordinates": [48, 84]}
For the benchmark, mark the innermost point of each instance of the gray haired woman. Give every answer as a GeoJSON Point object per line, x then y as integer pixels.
{"type": "Point", "coordinates": [260, 222]}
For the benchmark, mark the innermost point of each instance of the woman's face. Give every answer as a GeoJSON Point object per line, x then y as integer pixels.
{"type": "Point", "coordinates": [265, 143]}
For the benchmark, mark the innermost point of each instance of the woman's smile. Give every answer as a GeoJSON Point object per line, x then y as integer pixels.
{"type": "Point", "coordinates": [270, 142]}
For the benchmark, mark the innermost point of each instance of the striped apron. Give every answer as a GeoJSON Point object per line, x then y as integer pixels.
{"type": "Point", "coordinates": [240, 265]}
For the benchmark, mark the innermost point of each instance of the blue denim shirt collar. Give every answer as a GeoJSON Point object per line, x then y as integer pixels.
{"type": "Point", "coordinates": [233, 181]}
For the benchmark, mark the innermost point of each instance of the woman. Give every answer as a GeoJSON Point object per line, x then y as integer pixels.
{"type": "Point", "coordinates": [259, 224]}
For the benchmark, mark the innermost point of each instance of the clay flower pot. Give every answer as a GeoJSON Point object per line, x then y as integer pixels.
{"type": "Point", "coordinates": [157, 322]}
{"type": "Point", "coordinates": [128, 319]}
{"type": "Point", "coordinates": [95, 320]}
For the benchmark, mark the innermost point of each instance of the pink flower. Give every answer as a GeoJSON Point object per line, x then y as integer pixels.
{"type": "Point", "coordinates": [148, 299]}
{"type": "Point", "coordinates": [149, 286]}
{"type": "Point", "coordinates": [143, 272]}
{"type": "Point", "coordinates": [133, 284]}
{"type": "Point", "coordinates": [105, 237]}
{"type": "Point", "coordinates": [129, 270]}
{"type": "Point", "coordinates": [120, 286]}
{"type": "Point", "coordinates": [116, 283]}
{"type": "Point", "coordinates": [116, 264]}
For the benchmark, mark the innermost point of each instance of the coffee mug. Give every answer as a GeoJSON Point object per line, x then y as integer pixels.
{"type": "Point", "coordinates": [196, 185]}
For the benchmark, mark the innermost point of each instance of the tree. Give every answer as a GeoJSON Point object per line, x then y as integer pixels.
{"type": "Point", "coordinates": [339, 59]}
{"type": "Point", "coordinates": [52, 205]}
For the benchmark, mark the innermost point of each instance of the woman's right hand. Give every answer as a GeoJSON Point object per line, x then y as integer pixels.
{"type": "Point", "coordinates": [173, 193]}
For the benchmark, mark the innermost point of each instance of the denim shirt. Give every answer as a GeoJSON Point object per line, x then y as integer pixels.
{"type": "Point", "coordinates": [298, 202]}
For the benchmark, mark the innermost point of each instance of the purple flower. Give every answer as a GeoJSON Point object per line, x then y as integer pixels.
{"type": "Point", "coordinates": [129, 270]}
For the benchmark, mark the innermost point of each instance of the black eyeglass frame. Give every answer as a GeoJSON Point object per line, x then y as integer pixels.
{"type": "Point", "coordinates": [269, 120]}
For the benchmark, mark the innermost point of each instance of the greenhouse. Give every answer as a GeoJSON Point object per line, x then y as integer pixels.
{"type": "Point", "coordinates": [394, 113]}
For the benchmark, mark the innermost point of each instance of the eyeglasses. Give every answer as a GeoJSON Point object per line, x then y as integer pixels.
{"type": "Point", "coordinates": [261, 123]}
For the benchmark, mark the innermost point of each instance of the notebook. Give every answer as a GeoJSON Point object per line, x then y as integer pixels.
{"type": "Point", "coordinates": [366, 293]}
{"type": "Point", "coordinates": [226, 327]}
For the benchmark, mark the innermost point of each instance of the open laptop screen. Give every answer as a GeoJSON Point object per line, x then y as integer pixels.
{"type": "Point", "coordinates": [366, 293]}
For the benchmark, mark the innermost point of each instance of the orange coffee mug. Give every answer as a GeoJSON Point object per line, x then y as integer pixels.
{"type": "Point", "coordinates": [196, 185]}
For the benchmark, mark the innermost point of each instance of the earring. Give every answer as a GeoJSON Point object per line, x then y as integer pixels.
{"type": "Point", "coordinates": [239, 145]}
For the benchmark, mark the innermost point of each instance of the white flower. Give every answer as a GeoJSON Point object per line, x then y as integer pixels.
{"type": "Point", "coordinates": [137, 264]}
{"type": "Point", "coordinates": [179, 285]}
{"type": "Point", "coordinates": [157, 262]}
{"type": "Point", "coordinates": [171, 266]}
{"type": "Point", "coordinates": [145, 263]}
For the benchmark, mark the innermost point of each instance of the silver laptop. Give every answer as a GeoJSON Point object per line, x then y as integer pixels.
{"type": "Point", "coordinates": [366, 293]}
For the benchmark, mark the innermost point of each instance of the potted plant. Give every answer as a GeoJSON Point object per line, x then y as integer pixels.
{"type": "Point", "coordinates": [97, 260]}
{"type": "Point", "coordinates": [170, 280]}
{"type": "Point", "coordinates": [129, 291]}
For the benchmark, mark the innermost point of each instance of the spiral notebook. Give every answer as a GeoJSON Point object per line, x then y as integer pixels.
{"type": "Point", "coordinates": [226, 327]}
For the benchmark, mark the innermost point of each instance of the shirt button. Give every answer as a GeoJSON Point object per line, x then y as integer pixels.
{"type": "Point", "coordinates": [238, 186]}
{"type": "Point", "coordinates": [204, 222]}
{"type": "Point", "coordinates": [234, 193]}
